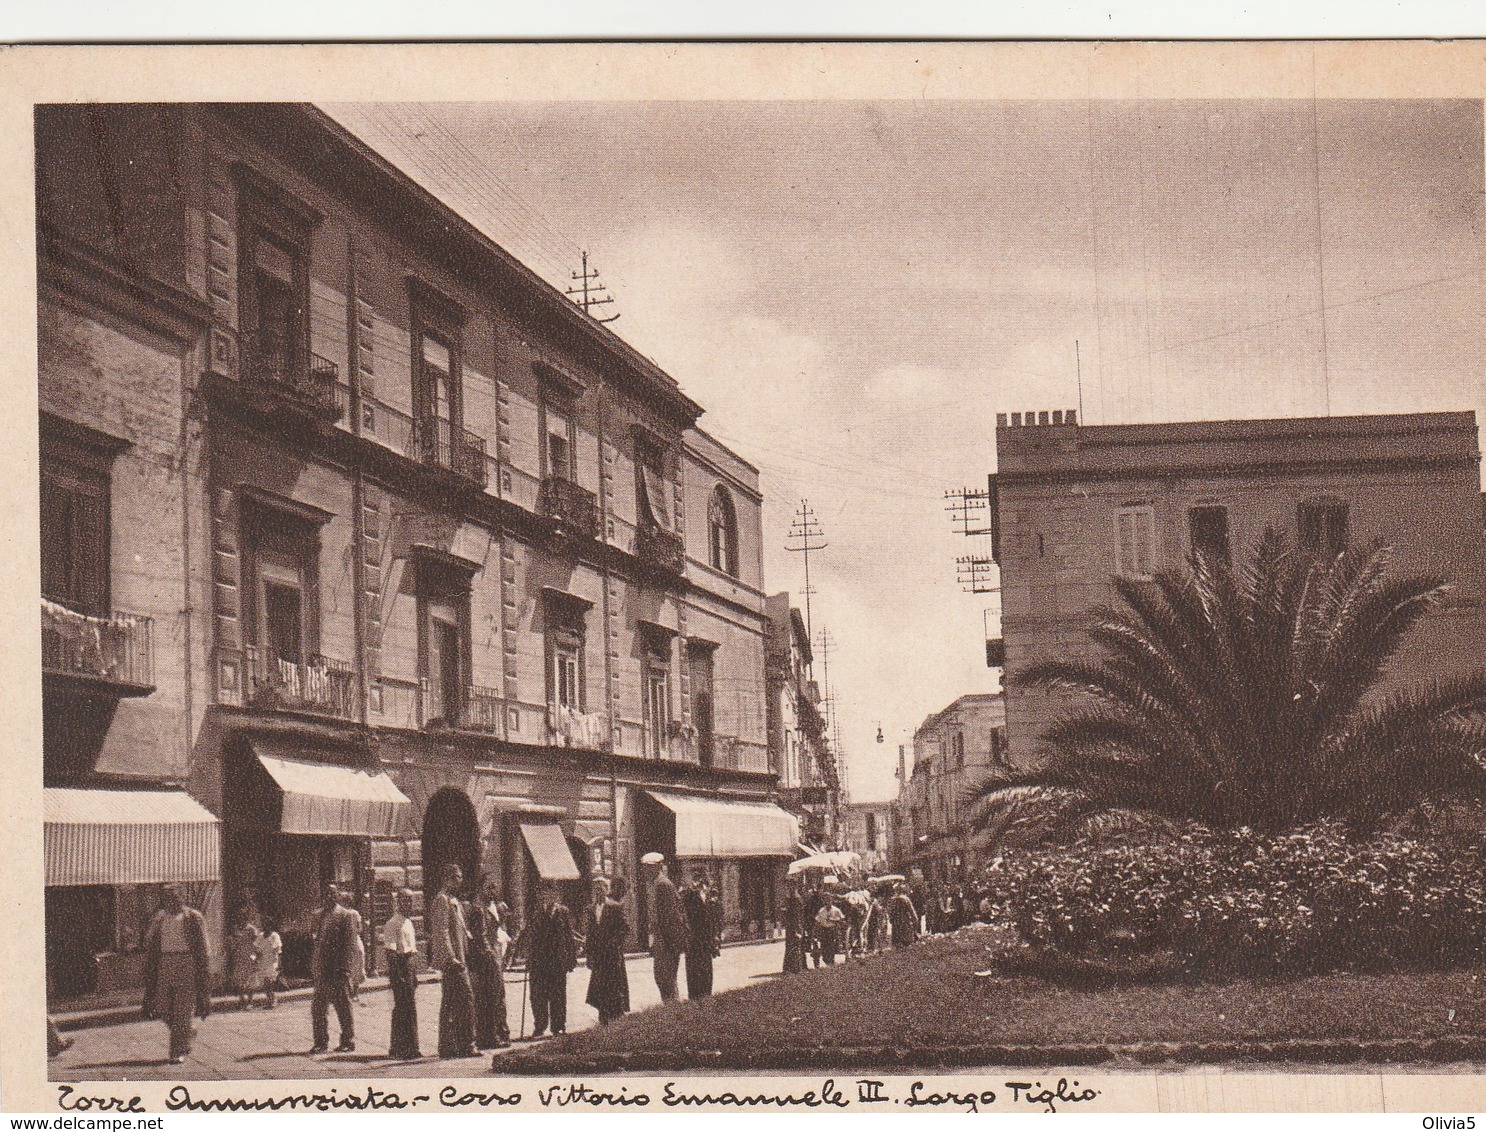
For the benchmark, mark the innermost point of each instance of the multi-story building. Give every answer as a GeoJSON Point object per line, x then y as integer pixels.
{"type": "Point", "coordinates": [867, 831]}
{"type": "Point", "coordinates": [365, 541]}
{"type": "Point", "coordinates": [799, 748]}
{"type": "Point", "coordinates": [954, 751]}
{"type": "Point", "coordinates": [1074, 506]}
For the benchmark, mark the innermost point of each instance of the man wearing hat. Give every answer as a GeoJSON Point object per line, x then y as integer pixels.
{"type": "Point", "coordinates": [701, 940]}
{"type": "Point", "coordinates": [667, 927]}
{"type": "Point", "coordinates": [551, 951]}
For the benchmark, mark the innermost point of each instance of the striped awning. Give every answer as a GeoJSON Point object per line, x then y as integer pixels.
{"type": "Point", "coordinates": [128, 837]}
{"type": "Point", "coordinates": [334, 800]}
{"type": "Point", "coordinates": [715, 827]}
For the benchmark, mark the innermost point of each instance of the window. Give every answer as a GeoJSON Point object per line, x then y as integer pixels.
{"type": "Point", "coordinates": [274, 233]}
{"type": "Point", "coordinates": [1135, 530]}
{"type": "Point", "coordinates": [722, 527]}
{"type": "Point", "coordinates": [700, 664]}
{"type": "Point", "coordinates": [1323, 528]}
{"type": "Point", "coordinates": [1208, 527]}
{"type": "Point", "coordinates": [566, 631]}
{"type": "Point", "coordinates": [279, 306]}
{"type": "Point", "coordinates": [281, 605]}
{"type": "Point", "coordinates": [650, 483]}
{"type": "Point", "coordinates": [74, 530]}
{"type": "Point", "coordinates": [657, 689]}
{"type": "Point", "coordinates": [443, 638]}
{"type": "Point", "coordinates": [559, 448]}
{"type": "Point", "coordinates": [565, 667]}
{"type": "Point", "coordinates": [438, 404]}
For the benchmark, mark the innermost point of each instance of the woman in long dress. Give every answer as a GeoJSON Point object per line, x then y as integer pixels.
{"type": "Point", "coordinates": [242, 963]}
{"type": "Point", "coordinates": [608, 981]}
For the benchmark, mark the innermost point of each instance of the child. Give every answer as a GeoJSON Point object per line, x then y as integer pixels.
{"type": "Point", "coordinates": [267, 951]}
{"type": "Point", "coordinates": [242, 967]}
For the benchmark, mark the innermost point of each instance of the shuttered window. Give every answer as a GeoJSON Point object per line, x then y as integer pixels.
{"type": "Point", "coordinates": [74, 537]}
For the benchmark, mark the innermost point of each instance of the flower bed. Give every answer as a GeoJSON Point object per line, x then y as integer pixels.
{"type": "Point", "coordinates": [1234, 902]}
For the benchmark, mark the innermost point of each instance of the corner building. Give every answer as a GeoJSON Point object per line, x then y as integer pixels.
{"type": "Point", "coordinates": [446, 571]}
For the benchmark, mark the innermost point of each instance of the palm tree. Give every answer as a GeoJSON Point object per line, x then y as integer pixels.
{"type": "Point", "coordinates": [1247, 695]}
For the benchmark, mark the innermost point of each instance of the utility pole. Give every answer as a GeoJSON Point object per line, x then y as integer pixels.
{"type": "Point", "coordinates": [805, 535]}
{"type": "Point", "coordinates": [973, 514]}
{"type": "Point", "coordinates": [589, 292]}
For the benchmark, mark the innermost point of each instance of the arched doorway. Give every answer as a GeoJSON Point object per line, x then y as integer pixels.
{"type": "Point", "coordinates": [451, 835]}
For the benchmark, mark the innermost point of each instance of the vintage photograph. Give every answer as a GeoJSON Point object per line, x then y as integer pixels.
{"type": "Point", "coordinates": [563, 585]}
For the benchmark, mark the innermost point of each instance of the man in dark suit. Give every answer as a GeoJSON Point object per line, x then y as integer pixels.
{"type": "Point", "coordinates": [701, 936]}
{"type": "Point", "coordinates": [331, 961]}
{"type": "Point", "coordinates": [667, 928]}
{"type": "Point", "coordinates": [177, 974]}
{"type": "Point", "coordinates": [551, 951]}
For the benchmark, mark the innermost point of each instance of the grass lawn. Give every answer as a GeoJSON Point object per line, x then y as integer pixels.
{"type": "Point", "coordinates": [927, 1006]}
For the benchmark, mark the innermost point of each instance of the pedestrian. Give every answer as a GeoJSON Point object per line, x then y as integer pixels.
{"type": "Point", "coordinates": [856, 921]}
{"type": "Point", "coordinates": [829, 922]}
{"type": "Point", "coordinates": [902, 917]}
{"type": "Point", "coordinates": [399, 946]}
{"type": "Point", "coordinates": [358, 954]}
{"type": "Point", "coordinates": [487, 969]}
{"type": "Point", "coordinates": [331, 960]}
{"type": "Point", "coordinates": [794, 930]}
{"type": "Point", "coordinates": [551, 951]}
{"type": "Point", "coordinates": [449, 940]}
{"type": "Point", "coordinates": [813, 901]}
{"type": "Point", "coordinates": [608, 980]}
{"type": "Point", "coordinates": [668, 927]}
{"type": "Point", "coordinates": [242, 957]}
{"type": "Point", "coordinates": [177, 973]}
{"type": "Point", "coordinates": [268, 951]}
{"type": "Point", "coordinates": [701, 936]}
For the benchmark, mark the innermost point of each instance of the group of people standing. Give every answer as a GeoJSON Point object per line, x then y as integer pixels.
{"type": "Point", "coordinates": [824, 920]}
{"type": "Point", "coordinates": [687, 922]}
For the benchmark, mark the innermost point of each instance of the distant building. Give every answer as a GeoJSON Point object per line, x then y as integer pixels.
{"type": "Point", "coordinates": [954, 751]}
{"type": "Point", "coordinates": [1073, 505]}
{"type": "Point", "coordinates": [799, 749]}
{"type": "Point", "coordinates": [867, 830]}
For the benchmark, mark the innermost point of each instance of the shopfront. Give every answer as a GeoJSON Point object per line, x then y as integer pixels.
{"type": "Point", "coordinates": [295, 822]}
{"type": "Point", "coordinates": [107, 854]}
{"type": "Point", "coordinates": [742, 846]}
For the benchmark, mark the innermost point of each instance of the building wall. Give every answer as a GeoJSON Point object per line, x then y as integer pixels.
{"type": "Point", "coordinates": [1411, 481]}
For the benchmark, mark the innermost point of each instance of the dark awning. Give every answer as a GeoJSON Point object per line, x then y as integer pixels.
{"type": "Point", "coordinates": [335, 800]}
{"type": "Point", "coordinates": [549, 851]}
{"type": "Point", "coordinates": [128, 837]}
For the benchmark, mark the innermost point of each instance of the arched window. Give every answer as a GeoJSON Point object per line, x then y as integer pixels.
{"type": "Point", "coordinates": [722, 527]}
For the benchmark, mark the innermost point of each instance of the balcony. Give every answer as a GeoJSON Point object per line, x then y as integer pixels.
{"type": "Point", "coordinates": [574, 510]}
{"type": "Point", "coordinates": [113, 655]}
{"type": "Point", "coordinates": [660, 548]}
{"type": "Point", "coordinates": [443, 444]}
{"type": "Point", "coordinates": [585, 730]}
{"type": "Point", "coordinates": [482, 710]}
{"type": "Point", "coordinates": [320, 687]}
{"type": "Point", "coordinates": [304, 384]}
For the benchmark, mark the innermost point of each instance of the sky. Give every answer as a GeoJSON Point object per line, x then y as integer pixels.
{"type": "Point", "coordinates": [853, 290]}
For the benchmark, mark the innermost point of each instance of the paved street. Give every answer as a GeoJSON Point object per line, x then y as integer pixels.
{"type": "Point", "coordinates": [273, 1044]}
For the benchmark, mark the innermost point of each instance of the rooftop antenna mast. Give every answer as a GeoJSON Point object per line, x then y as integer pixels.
{"type": "Point", "coordinates": [589, 292]}
{"type": "Point", "coordinates": [805, 535]}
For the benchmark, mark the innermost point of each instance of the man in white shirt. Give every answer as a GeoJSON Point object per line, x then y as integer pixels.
{"type": "Point", "coordinates": [449, 937]}
{"type": "Point", "coordinates": [400, 943]}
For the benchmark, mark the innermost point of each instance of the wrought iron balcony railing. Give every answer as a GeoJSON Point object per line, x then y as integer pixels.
{"type": "Point", "coordinates": [443, 444]}
{"type": "Point", "coordinates": [572, 508]}
{"type": "Point", "coordinates": [661, 548]}
{"type": "Point", "coordinates": [322, 686]}
{"type": "Point", "coordinates": [115, 650]}
{"type": "Point", "coordinates": [301, 376]}
{"type": "Point", "coordinates": [482, 710]}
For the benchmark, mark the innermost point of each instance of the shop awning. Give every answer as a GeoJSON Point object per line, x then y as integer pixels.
{"type": "Point", "coordinates": [712, 827]}
{"type": "Point", "coordinates": [334, 800]}
{"type": "Point", "coordinates": [549, 851]}
{"type": "Point", "coordinates": [128, 837]}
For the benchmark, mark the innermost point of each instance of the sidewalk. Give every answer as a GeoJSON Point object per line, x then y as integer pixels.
{"type": "Point", "coordinates": [115, 1045]}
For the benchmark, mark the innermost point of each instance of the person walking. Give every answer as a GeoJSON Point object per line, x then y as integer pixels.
{"type": "Point", "coordinates": [487, 969]}
{"type": "Point", "coordinates": [551, 951]}
{"type": "Point", "coordinates": [701, 936]}
{"type": "Point", "coordinates": [399, 946]}
{"type": "Point", "coordinates": [268, 951]}
{"type": "Point", "coordinates": [357, 974]}
{"type": "Point", "coordinates": [177, 973]}
{"type": "Point", "coordinates": [242, 959]}
{"type": "Point", "coordinates": [608, 980]}
{"type": "Point", "coordinates": [449, 940]}
{"type": "Point", "coordinates": [668, 927]}
{"type": "Point", "coordinates": [794, 930]}
{"type": "Point", "coordinates": [830, 921]}
{"type": "Point", "coordinates": [812, 904]}
{"type": "Point", "coordinates": [331, 961]}
{"type": "Point", "coordinates": [902, 918]}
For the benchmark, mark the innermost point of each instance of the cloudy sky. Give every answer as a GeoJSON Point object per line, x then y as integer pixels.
{"type": "Point", "coordinates": [853, 290]}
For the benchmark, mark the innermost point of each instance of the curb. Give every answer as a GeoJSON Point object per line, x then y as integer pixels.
{"type": "Point", "coordinates": [1464, 1047]}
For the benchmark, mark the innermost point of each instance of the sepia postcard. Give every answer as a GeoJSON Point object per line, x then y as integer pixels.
{"type": "Point", "coordinates": [840, 577]}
